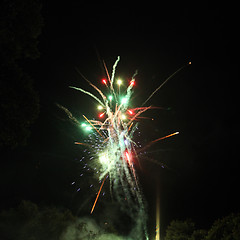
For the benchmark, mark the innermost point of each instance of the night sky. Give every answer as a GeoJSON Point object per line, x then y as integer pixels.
{"type": "Point", "coordinates": [201, 177]}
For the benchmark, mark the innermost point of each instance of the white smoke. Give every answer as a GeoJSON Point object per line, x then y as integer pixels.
{"type": "Point", "coordinates": [85, 229]}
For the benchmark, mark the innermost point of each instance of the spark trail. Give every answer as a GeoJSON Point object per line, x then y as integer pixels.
{"type": "Point", "coordinates": [98, 194]}
{"type": "Point", "coordinates": [116, 153]}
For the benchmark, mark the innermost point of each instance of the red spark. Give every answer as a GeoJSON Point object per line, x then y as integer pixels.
{"type": "Point", "coordinates": [128, 156]}
{"type": "Point", "coordinates": [101, 115]}
{"type": "Point", "coordinates": [132, 83]}
{"type": "Point", "coordinates": [130, 112]}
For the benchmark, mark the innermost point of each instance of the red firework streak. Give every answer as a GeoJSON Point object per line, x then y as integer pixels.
{"type": "Point", "coordinates": [98, 194]}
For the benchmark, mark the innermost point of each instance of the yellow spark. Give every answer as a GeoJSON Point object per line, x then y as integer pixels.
{"type": "Point", "coordinates": [119, 82]}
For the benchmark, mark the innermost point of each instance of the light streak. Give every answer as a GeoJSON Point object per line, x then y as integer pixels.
{"type": "Point", "coordinates": [171, 76]}
{"type": "Point", "coordinates": [161, 138]}
{"type": "Point", "coordinates": [79, 143]}
{"type": "Point", "coordinates": [114, 69]}
{"type": "Point", "coordinates": [93, 126]}
{"type": "Point", "coordinates": [98, 195]}
{"type": "Point", "coordinates": [128, 157]}
{"type": "Point", "coordinates": [157, 212]}
{"type": "Point", "coordinates": [105, 67]}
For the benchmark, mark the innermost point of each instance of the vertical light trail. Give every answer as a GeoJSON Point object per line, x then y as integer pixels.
{"type": "Point", "coordinates": [157, 211]}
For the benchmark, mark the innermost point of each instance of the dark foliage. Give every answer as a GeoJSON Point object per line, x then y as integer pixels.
{"type": "Point", "coordinates": [180, 230]}
{"type": "Point", "coordinates": [20, 26]}
{"type": "Point", "coordinates": [19, 106]}
{"type": "Point", "coordinates": [227, 228]}
{"type": "Point", "coordinates": [28, 221]}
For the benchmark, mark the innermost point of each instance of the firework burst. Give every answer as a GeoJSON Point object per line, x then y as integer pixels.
{"type": "Point", "coordinates": [115, 147]}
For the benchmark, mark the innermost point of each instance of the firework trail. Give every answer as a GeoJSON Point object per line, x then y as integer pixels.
{"type": "Point", "coordinates": [116, 152]}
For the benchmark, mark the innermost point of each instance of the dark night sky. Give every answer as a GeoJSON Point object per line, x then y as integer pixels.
{"type": "Point", "coordinates": [202, 179]}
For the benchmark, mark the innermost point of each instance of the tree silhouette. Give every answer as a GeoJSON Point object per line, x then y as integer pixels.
{"type": "Point", "coordinates": [20, 26]}
{"type": "Point", "coordinates": [180, 230]}
{"type": "Point", "coordinates": [31, 222]}
{"type": "Point", "coordinates": [28, 221]}
{"type": "Point", "coordinates": [227, 228]}
{"type": "Point", "coordinates": [198, 234]}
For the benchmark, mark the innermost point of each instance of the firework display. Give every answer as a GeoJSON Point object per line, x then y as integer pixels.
{"type": "Point", "coordinates": [115, 148]}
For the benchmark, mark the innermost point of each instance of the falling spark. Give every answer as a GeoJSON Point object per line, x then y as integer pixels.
{"type": "Point", "coordinates": [170, 135]}
{"type": "Point", "coordinates": [98, 195]}
{"type": "Point", "coordinates": [93, 126]}
{"type": "Point", "coordinates": [171, 76]}
{"type": "Point", "coordinates": [79, 143]}
{"type": "Point", "coordinates": [158, 139]}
